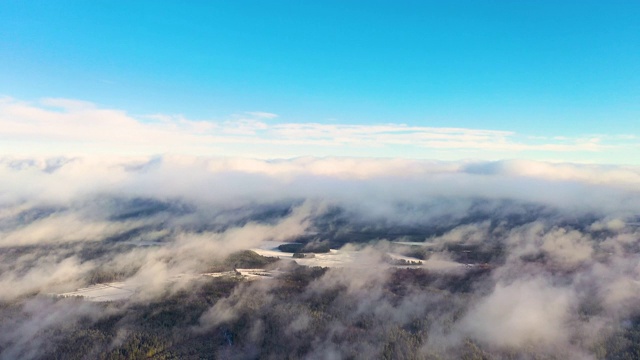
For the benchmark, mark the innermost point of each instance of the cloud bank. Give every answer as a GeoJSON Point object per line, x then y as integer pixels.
{"type": "Point", "coordinates": [539, 255]}
{"type": "Point", "coordinates": [71, 127]}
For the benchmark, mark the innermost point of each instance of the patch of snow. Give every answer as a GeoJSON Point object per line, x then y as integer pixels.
{"type": "Point", "coordinates": [103, 292]}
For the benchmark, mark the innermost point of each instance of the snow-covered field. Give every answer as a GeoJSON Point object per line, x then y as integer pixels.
{"type": "Point", "coordinates": [331, 259]}
{"type": "Point", "coordinates": [103, 292]}
{"type": "Point", "coordinates": [220, 274]}
{"type": "Point", "coordinates": [116, 291]}
{"type": "Point", "coordinates": [253, 274]}
{"type": "Point", "coordinates": [350, 258]}
{"type": "Point", "coordinates": [250, 274]}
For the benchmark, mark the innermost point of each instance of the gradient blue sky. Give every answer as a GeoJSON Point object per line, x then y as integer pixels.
{"type": "Point", "coordinates": [538, 69]}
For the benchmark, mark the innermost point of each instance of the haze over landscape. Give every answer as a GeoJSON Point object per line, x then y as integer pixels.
{"type": "Point", "coordinates": [319, 180]}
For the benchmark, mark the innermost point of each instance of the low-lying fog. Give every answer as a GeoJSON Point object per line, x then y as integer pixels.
{"type": "Point", "coordinates": [511, 259]}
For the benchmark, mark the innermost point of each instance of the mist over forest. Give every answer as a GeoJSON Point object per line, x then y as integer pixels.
{"type": "Point", "coordinates": [386, 259]}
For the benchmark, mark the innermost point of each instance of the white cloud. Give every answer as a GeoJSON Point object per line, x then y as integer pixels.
{"type": "Point", "coordinates": [60, 205]}
{"type": "Point", "coordinates": [527, 312]}
{"type": "Point", "coordinates": [262, 114]}
{"type": "Point", "coordinates": [71, 127]}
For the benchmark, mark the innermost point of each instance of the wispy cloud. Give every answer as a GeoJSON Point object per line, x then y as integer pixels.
{"type": "Point", "coordinates": [262, 114]}
{"type": "Point", "coordinates": [64, 126]}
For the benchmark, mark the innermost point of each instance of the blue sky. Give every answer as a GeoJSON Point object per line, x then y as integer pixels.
{"type": "Point", "coordinates": [537, 69]}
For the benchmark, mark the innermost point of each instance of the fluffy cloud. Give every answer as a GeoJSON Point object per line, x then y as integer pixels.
{"type": "Point", "coordinates": [527, 312]}
{"type": "Point", "coordinates": [557, 247]}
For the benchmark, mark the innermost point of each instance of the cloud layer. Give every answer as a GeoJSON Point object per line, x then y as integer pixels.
{"type": "Point", "coordinates": [540, 258]}
{"type": "Point", "coordinates": [71, 127]}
